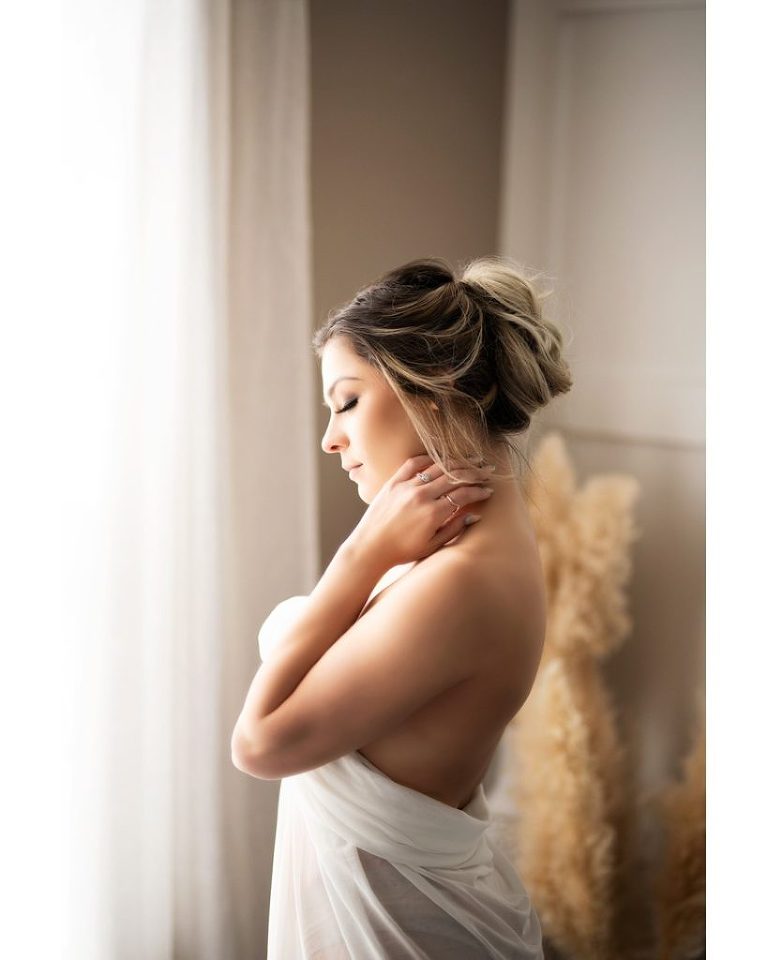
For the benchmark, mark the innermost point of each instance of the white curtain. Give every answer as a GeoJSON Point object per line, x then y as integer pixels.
{"type": "Point", "coordinates": [183, 435]}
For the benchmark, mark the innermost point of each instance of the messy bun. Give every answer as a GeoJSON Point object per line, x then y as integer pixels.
{"type": "Point", "coordinates": [476, 346]}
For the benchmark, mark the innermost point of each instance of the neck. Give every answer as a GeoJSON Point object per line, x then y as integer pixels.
{"type": "Point", "coordinates": [506, 504]}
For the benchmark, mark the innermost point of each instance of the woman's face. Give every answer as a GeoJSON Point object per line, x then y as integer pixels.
{"type": "Point", "coordinates": [368, 425]}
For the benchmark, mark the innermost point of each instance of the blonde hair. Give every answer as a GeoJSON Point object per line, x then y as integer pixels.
{"type": "Point", "coordinates": [476, 346]}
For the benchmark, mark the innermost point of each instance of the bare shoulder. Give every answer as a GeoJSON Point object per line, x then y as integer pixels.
{"type": "Point", "coordinates": [493, 610]}
{"type": "Point", "coordinates": [442, 594]}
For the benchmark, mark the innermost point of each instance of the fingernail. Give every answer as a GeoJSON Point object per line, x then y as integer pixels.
{"type": "Point", "coordinates": [492, 467]}
{"type": "Point", "coordinates": [470, 518]}
{"type": "Point", "coordinates": [487, 490]}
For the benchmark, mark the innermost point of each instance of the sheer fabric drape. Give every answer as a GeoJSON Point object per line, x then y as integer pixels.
{"type": "Point", "coordinates": [366, 868]}
{"type": "Point", "coordinates": [187, 168]}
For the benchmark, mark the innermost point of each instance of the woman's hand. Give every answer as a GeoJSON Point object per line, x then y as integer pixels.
{"type": "Point", "coordinates": [408, 519]}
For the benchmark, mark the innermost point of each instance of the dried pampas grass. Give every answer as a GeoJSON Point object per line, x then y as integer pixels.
{"type": "Point", "coordinates": [569, 785]}
{"type": "Point", "coordinates": [681, 886]}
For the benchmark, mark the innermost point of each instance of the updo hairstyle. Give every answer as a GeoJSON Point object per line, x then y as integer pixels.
{"type": "Point", "coordinates": [477, 346]}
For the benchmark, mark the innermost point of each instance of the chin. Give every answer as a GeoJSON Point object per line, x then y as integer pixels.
{"type": "Point", "coordinates": [365, 494]}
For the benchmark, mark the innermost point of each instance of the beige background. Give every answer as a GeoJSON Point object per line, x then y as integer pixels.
{"type": "Point", "coordinates": [605, 119]}
{"type": "Point", "coordinates": [407, 102]}
{"type": "Point", "coordinates": [569, 136]}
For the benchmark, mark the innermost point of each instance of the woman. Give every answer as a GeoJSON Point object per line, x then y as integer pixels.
{"type": "Point", "coordinates": [385, 692]}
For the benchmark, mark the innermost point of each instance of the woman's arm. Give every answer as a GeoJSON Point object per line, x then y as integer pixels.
{"type": "Point", "coordinates": [431, 634]}
{"type": "Point", "coordinates": [405, 521]}
{"type": "Point", "coordinates": [333, 606]}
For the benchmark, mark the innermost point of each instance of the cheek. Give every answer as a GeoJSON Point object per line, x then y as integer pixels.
{"type": "Point", "coordinates": [393, 428]}
{"type": "Point", "coordinates": [386, 440]}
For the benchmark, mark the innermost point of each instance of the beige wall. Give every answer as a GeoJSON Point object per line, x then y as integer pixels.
{"type": "Point", "coordinates": [606, 127]}
{"type": "Point", "coordinates": [585, 156]}
{"type": "Point", "coordinates": [407, 100]}
{"type": "Point", "coordinates": [605, 132]}
{"type": "Point", "coordinates": [580, 151]}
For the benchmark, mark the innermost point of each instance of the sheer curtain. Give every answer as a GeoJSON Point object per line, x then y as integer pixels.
{"type": "Point", "coordinates": [193, 509]}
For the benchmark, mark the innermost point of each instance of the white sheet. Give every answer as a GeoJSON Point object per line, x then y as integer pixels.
{"type": "Point", "coordinates": [368, 869]}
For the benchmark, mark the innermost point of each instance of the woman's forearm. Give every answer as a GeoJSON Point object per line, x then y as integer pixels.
{"type": "Point", "coordinates": [333, 606]}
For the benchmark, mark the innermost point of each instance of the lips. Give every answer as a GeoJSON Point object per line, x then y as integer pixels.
{"type": "Point", "coordinates": [353, 467]}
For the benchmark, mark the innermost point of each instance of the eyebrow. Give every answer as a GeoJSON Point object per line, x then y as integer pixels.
{"type": "Point", "coordinates": [338, 380]}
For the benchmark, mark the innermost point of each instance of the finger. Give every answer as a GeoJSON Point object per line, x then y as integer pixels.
{"type": "Point", "coordinates": [409, 469]}
{"type": "Point", "coordinates": [444, 484]}
{"type": "Point", "coordinates": [423, 464]}
{"type": "Point", "coordinates": [463, 496]}
{"type": "Point", "coordinates": [452, 529]}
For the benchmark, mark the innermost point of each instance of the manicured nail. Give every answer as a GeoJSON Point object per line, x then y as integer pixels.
{"type": "Point", "coordinates": [470, 518]}
{"type": "Point", "coordinates": [487, 490]}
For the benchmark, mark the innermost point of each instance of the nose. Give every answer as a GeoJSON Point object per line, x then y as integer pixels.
{"type": "Point", "coordinates": [333, 439]}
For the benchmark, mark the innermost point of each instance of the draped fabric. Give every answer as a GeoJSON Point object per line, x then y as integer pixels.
{"type": "Point", "coordinates": [368, 869]}
{"type": "Point", "coordinates": [187, 260]}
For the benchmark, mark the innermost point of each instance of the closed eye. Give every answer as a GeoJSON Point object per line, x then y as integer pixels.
{"type": "Point", "coordinates": [347, 406]}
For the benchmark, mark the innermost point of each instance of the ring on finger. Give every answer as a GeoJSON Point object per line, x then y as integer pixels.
{"type": "Point", "coordinates": [424, 477]}
{"type": "Point", "coordinates": [456, 507]}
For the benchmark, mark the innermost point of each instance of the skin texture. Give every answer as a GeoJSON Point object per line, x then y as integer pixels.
{"type": "Point", "coordinates": [375, 431]}
{"type": "Point", "coordinates": [425, 680]}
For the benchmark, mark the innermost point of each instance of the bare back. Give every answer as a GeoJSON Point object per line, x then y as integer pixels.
{"type": "Point", "coordinates": [445, 748]}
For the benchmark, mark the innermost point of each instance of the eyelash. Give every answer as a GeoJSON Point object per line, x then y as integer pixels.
{"type": "Point", "coordinates": [347, 406]}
